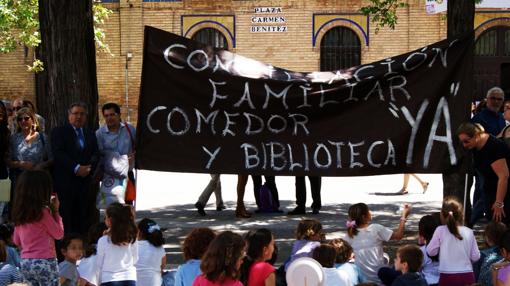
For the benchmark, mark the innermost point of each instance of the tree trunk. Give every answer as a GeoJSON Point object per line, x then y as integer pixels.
{"type": "Point", "coordinates": [460, 17]}
{"type": "Point", "coordinates": [69, 56]}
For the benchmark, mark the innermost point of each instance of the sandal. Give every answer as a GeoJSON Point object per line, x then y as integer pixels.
{"type": "Point", "coordinates": [425, 187]}
{"type": "Point", "coordinates": [403, 192]}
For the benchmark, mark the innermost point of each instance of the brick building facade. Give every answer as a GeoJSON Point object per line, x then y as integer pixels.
{"type": "Point", "coordinates": [286, 33]}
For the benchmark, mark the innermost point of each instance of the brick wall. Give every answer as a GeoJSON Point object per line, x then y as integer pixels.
{"type": "Point", "coordinates": [291, 50]}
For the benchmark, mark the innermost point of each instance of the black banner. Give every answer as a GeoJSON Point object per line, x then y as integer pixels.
{"type": "Point", "coordinates": [209, 110]}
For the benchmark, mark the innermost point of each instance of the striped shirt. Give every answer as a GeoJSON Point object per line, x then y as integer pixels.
{"type": "Point", "coordinates": [9, 274]}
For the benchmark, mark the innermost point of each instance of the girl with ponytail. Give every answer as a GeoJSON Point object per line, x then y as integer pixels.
{"type": "Point", "coordinates": [367, 239]}
{"type": "Point", "coordinates": [309, 235]}
{"type": "Point", "coordinates": [456, 246]}
{"type": "Point", "coordinates": [256, 271]}
{"type": "Point", "coordinates": [151, 254]}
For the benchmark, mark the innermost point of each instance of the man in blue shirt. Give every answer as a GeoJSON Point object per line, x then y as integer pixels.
{"type": "Point", "coordinates": [115, 142]}
{"type": "Point", "coordinates": [491, 118]}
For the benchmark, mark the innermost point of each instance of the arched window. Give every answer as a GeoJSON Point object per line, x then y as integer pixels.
{"type": "Point", "coordinates": [492, 61]}
{"type": "Point", "coordinates": [340, 48]}
{"type": "Point", "coordinates": [487, 44]}
{"type": "Point", "coordinates": [212, 37]}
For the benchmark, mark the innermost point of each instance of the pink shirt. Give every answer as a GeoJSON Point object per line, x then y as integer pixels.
{"type": "Point", "coordinates": [202, 281]}
{"type": "Point", "coordinates": [37, 239]}
{"type": "Point", "coordinates": [259, 272]}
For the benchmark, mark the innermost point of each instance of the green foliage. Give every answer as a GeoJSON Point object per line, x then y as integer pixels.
{"type": "Point", "coordinates": [383, 12]}
{"type": "Point", "coordinates": [19, 26]}
{"type": "Point", "coordinates": [100, 16]}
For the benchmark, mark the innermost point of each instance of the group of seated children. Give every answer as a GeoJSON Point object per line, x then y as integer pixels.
{"type": "Point", "coordinates": [119, 252]}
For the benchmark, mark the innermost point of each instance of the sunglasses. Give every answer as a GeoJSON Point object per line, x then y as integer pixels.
{"type": "Point", "coordinates": [466, 141]}
{"type": "Point", "coordinates": [23, 118]}
{"type": "Point", "coordinates": [16, 108]}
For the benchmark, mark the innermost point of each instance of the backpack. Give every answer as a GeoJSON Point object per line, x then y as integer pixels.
{"type": "Point", "coordinates": [266, 200]}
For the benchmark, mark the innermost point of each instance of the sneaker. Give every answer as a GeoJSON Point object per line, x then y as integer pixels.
{"type": "Point", "coordinates": [200, 209]}
{"type": "Point", "coordinates": [220, 208]}
{"type": "Point", "coordinates": [315, 211]}
{"type": "Point", "coordinates": [297, 211]}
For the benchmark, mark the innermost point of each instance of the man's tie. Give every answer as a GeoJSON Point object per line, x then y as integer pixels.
{"type": "Point", "coordinates": [81, 138]}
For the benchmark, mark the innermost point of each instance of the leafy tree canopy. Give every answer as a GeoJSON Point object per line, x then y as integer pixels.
{"type": "Point", "coordinates": [19, 26]}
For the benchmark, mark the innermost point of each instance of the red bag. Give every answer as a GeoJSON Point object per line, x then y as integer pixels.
{"type": "Point", "coordinates": [130, 195]}
{"type": "Point", "coordinates": [130, 191]}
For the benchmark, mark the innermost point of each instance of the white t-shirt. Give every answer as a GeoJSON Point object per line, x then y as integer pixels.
{"type": "Point", "coordinates": [368, 250]}
{"type": "Point", "coordinates": [455, 256]}
{"type": "Point", "coordinates": [87, 269]}
{"type": "Point", "coordinates": [116, 262]}
{"type": "Point", "coordinates": [335, 277]}
{"type": "Point", "coordinates": [148, 266]}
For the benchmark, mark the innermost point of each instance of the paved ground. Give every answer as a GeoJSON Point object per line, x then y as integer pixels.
{"type": "Point", "coordinates": [169, 198]}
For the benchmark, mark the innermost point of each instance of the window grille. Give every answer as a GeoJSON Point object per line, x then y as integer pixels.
{"type": "Point", "coordinates": [340, 49]}
{"type": "Point", "coordinates": [212, 37]}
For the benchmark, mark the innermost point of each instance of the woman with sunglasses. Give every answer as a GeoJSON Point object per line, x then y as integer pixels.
{"type": "Point", "coordinates": [29, 147]}
{"type": "Point", "coordinates": [491, 157]}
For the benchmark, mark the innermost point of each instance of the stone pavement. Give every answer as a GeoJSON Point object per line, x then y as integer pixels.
{"type": "Point", "coordinates": [169, 199]}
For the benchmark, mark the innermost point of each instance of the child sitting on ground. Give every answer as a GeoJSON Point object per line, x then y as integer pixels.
{"type": "Point", "coordinates": [493, 233]}
{"type": "Point", "coordinates": [430, 269]}
{"type": "Point", "coordinates": [426, 228]}
{"type": "Point", "coordinates": [222, 261]}
{"type": "Point", "coordinates": [501, 270]}
{"type": "Point", "coordinates": [345, 260]}
{"type": "Point", "coordinates": [325, 254]}
{"type": "Point", "coordinates": [6, 232]}
{"type": "Point", "coordinates": [367, 239]}
{"type": "Point", "coordinates": [255, 270]}
{"type": "Point", "coordinates": [408, 260]}
{"type": "Point", "coordinates": [72, 250]}
{"type": "Point", "coordinates": [193, 248]}
{"type": "Point", "coordinates": [308, 236]}
{"type": "Point", "coordinates": [8, 273]}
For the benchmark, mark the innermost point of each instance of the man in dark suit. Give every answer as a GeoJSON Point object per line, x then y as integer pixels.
{"type": "Point", "coordinates": [75, 155]}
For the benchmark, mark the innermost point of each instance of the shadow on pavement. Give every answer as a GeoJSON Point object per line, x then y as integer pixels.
{"type": "Point", "coordinates": [179, 220]}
